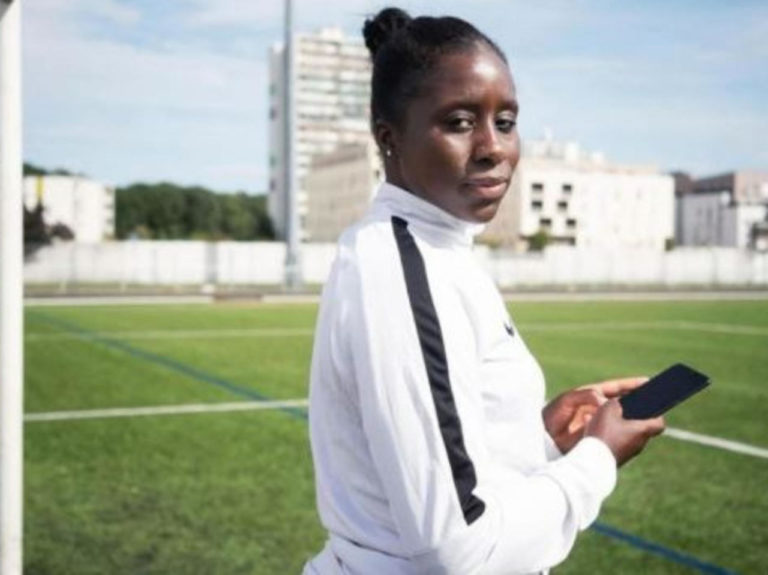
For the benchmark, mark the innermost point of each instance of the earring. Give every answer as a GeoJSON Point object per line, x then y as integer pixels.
{"type": "Point", "coordinates": [388, 152]}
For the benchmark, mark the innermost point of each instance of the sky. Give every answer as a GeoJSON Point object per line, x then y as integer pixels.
{"type": "Point", "coordinates": [177, 90]}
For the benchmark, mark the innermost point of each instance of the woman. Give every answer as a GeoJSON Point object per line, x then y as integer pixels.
{"type": "Point", "coordinates": [433, 450]}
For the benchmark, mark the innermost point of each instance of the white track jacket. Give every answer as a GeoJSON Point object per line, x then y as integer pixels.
{"type": "Point", "coordinates": [429, 447]}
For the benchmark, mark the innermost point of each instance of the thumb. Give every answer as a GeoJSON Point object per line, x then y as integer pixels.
{"type": "Point", "coordinates": [612, 406]}
{"type": "Point", "coordinates": [588, 397]}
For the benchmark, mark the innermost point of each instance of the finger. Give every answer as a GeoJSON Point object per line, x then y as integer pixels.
{"type": "Point", "coordinates": [580, 422]}
{"type": "Point", "coordinates": [581, 417]}
{"type": "Point", "coordinates": [588, 396]}
{"type": "Point", "coordinates": [612, 406]}
{"type": "Point", "coordinates": [656, 426]}
{"type": "Point", "coordinates": [586, 410]}
{"type": "Point", "coordinates": [617, 387]}
{"type": "Point", "coordinates": [648, 427]}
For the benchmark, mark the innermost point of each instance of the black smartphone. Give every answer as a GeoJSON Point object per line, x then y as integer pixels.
{"type": "Point", "coordinates": [662, 392]}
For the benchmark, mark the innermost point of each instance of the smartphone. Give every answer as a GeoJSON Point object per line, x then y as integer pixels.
{"type": "Point", "coordinates": [662, 392]}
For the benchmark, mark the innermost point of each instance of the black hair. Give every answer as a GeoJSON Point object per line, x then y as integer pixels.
{"type": "Point", "coordinates": [405, 50]}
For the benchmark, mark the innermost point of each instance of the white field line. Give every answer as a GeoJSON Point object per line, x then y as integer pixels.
{"type": "Point", "coordinates": [629, 326]}
{"type": "Point", "coordinates": [302, 332]}
{"type": "Point", "coordinates": [711, 441]}
{"type": "Point", "coordinates": [67, 301]}
{"type": "Point", "coordinates": [175, 334]}
{"type": "Point", "coordinates": [672, 295]}
{"type": "Point", "coordinates": [281, 299]}
{"type": "Point", "coordinates": [164, 410]}
{"type": "Point", "coordinates": [680, 434]}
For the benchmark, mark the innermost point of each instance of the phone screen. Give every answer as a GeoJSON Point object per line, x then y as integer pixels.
{"type": "Point", "coordinates": [662, 392]}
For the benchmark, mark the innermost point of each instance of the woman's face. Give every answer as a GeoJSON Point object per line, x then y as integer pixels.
{"type": "Point", "coordinates": [458, 145]}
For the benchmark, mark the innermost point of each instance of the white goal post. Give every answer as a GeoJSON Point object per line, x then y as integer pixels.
{"type": "Point", "coordinates": [11, 290]}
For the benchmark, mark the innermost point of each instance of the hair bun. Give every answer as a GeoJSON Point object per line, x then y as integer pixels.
{"type": "Point", "coordinates": [378, 30]}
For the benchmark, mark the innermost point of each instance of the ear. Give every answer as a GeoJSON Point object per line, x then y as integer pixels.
{"type": "Point", "coordinates": [386, 138]}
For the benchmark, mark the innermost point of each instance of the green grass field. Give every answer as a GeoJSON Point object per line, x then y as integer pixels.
{"type": "Point", "coordinates": [226, 493]}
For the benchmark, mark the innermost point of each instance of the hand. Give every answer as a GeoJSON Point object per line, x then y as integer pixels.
{"type": "Point", "coordinates": [567, 414]}
{"type": "Point", "coordinates": [624, 437]}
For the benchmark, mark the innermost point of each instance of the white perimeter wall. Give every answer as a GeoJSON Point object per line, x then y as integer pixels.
{"type": "Point", "coordinates": [243, 263]}
{"type": "Point", "coordinates": [563, 266]}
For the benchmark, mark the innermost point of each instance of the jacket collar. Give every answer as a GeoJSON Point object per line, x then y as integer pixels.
{"type": "Point", "coordinates": [425, 217]}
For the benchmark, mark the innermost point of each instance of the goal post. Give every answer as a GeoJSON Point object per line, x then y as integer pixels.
{"type": "Point", "coordinates": [11, 291]}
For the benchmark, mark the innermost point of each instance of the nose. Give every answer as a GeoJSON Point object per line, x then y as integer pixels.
{"type": "Point", "coordinates": [487, 145]}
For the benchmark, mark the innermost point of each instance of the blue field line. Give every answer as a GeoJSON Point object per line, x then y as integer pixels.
{"type": "Point", "coordinates": [167, 363]}
{"type": "Point", "coordinates": [638, 542]}
{"type": "Point", "coordinates": [660, 550]}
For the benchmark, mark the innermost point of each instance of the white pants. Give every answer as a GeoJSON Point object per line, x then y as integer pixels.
{"type": "Point", "coordinates": [325, 563]}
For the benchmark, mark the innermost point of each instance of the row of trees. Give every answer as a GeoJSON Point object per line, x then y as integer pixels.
{"type": "Point", "coordinates": [168, 211]}
{"type": "Point", "coordinates": [35, 170]}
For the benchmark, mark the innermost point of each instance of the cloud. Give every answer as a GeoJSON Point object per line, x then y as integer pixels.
{"type": "Point", "coordinates": [233, 13]}
{"type": "Point", "coordinates": [109, 10]}
{"type": "Point", "coordinates": [150, 90]}
{"type": "Point", "coordinates": [106, 104]}
{"type": "Point", "coordinates": [112, 10]}
{"type": "Point", "coordinates": [247, 13]}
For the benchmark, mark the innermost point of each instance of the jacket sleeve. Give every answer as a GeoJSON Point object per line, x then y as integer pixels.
{"type": "Point", "coordinates": [550, 448]}
{"type": "Point", "coordinates": [454, 511]}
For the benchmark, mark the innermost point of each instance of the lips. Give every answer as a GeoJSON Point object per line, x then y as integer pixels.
{"type": "Point", "coordinates": [490, 188]}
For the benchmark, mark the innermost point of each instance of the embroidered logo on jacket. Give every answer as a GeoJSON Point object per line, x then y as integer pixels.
{"type": "Point", "coordinates": [509, 328]}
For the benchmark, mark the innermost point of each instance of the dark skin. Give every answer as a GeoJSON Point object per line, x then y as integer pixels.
{"type": "Point", "coordinates": [594, 410]}
{"type": "Point", "coordinates": [456, 146]}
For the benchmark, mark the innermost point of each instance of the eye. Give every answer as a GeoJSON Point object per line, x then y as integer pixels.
{"type": "Point", "coordinates": [462, 122]}
{"type": "Point", "coordinates": [506, 124]}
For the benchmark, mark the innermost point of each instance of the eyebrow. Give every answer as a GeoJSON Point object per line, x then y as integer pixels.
{"type": "Point", "coordinates": [470, 104]}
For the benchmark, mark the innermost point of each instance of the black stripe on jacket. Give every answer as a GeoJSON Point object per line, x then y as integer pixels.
{"type": "Point", "coordinates": [433, 351]}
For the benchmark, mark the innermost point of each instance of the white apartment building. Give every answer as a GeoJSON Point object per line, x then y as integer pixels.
{"type": "Point", "coordinates": [340, 186]}
{"type": "Point", "coordinates": [85, 206]}
{"type": "Point", "coordinates": [726, 210]}
{"type": "Point", "coordinates": [579, 199]}
{"type": "Point", "coordinates": [576, 197]}
{"type": "Point", "coordinates": [332, 92]}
